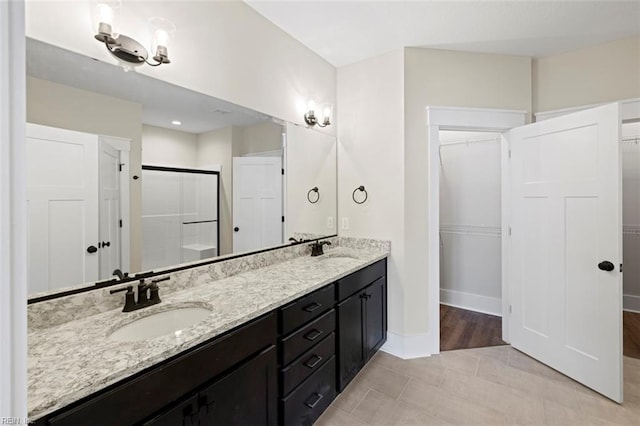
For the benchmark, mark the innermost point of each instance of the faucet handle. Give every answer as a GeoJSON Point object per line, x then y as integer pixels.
{"type": "Point", "coordinates": [328, 243]}
{"type": "Point", "coordinates": [129, 298]}
{"type": "Point", "coordinates": [128, 289]}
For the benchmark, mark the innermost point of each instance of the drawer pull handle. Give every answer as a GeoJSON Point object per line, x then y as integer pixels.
{"type": "Point", "coordinates": [312, 307]}
{"type": "Point", "coordinates": [312, 364]}
{"type": "Point", "coordinates": [317, 398]}
{"type": "Point", "coordinates": [313, 334]}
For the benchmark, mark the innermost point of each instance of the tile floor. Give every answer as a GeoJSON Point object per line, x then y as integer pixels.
{"type": "Point", "coordinates": [485, 386]}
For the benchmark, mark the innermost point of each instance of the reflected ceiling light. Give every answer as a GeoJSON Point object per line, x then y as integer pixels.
{"type": "Point", "coordinates": [127, 50]}
{"type": "Point", "coordinates": [176, 123]}
{"type": "Point", "coordinates": [312, 118]}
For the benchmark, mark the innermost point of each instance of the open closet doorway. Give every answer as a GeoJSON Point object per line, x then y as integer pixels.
{"type": "Point", "coordinates": [470, 240]}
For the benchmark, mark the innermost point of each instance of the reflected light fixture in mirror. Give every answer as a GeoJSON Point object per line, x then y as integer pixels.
{"type": "Point", "coordinates": [323, 119]}
{"type": "Point", "coordinates": [127, 50]}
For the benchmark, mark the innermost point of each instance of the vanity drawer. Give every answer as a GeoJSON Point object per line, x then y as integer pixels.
{"type": "Point", "coordinates": [306, 308]}
{"type": "Point", "coordinates": [307, 402]}
{"type": "Point", "coordinates": [300, 341]}
{"type": "Point", "coordinates": [358, 280]}
{"type": "Point", "coordinates": [307, 364]}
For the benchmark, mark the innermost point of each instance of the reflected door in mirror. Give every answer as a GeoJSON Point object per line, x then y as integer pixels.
{"type": "Point", "coordinates": [257, 203]}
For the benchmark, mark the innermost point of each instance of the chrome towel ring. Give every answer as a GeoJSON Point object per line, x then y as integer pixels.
{"type": "Point", "coordinates": [317, 198]}
{"type": "Point", "coordinates": [361, 189]}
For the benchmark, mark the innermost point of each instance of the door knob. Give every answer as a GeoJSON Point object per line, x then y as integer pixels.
{"type": "Point", "coordinates": [606, 266]}
{"type": "Point", "coordinates": [92, 249]}
{"type": "Point", "coordinates": [236, 229]}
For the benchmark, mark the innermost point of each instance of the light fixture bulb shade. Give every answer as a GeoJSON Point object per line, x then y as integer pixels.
{"type": "Point", "coordinates": [311, 106]}
{"type": "Point", "coordinates": [327, 113]}
{"type": "Point", "coordinates": [162, 33]}
{"type": "Point", "coordinates": [105, 17]}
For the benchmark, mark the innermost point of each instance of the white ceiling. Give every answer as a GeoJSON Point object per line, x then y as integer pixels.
{"type": "Point", "coordinates": [161, 102]}
{"type": "Point", "coordinates": [344, 32]}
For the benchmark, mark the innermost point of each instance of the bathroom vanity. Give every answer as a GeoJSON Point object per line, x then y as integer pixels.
{"type": "Point", "coordinates": [280, 344]}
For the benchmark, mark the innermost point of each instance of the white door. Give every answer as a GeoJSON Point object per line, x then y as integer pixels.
{"type": "Point", "coordinates": [257, 202]}
{"type": "Point", "coordinates": [109, 210]}
{"type": "Point", "coordinates": [62, 194]}
{"type": "Point", "coordinates": [566, 220]}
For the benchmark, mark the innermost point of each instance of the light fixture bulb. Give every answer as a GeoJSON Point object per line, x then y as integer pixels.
{"type": "Point", "coordinates": [162, 32]}
{"type": "Point", "coordinates": [311, 106]}
{"type": "Point", "coordinates": [105, 17]}
{"type": "Point", "coordinates": [105, 12]}
{"type": "Point", "coordinates": [162, 37]}
{"type": "Point", "coordinates": [176, 122]}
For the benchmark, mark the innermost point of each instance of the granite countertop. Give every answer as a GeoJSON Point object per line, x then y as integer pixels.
{"type": "Point", "coordinates": [73, 360]}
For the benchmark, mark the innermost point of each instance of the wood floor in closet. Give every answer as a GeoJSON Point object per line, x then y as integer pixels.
{"type": "Point", "coordinates": [463, 329]}
{"type": "Point", "coordinates": [631, 334]}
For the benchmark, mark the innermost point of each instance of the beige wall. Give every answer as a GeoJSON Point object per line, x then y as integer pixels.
{"type": "Point", "coordinates": [445, 78]}
{"type": "Point", "coordinates": [382, 145]}
{"type": "Point", "coordinates": [371, 153]}
{"type": "Point", "coordinates": [260, 137]}
{"type": "Point", "coordinates": [168, 147]}
{"type": "Point", "coordinates": [56, 105]}
{"type": "Point", "coordinates": [215, 148]}
{"type": "Point", "coordinates": [604, 73]}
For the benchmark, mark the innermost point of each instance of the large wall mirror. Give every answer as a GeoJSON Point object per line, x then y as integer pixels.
{"type": "Point", "coordinates": [130, 173]}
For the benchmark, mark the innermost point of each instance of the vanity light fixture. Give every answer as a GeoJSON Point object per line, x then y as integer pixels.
{"type": "Point", "coordinates": [126, 49]}
{"type": "Point", "coordinates": [312, 119]}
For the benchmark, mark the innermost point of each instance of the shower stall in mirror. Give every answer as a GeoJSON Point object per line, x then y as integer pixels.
{"type": "Point", "coordinates": [180, 210]}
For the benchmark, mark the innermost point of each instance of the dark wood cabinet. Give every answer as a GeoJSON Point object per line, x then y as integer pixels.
{"type": "Point", "coordinates": [351, 343]}
{"type": "Point", "coordinates": [375, 329]}
{"type": "Point", "coordinates": [248, 395]}
{"type": "Point", "coordinates": [362, 322]}
{"type": "Point", "coordinates": [158, 388]}
{"type": "Point", "coordinates": [282, 368]}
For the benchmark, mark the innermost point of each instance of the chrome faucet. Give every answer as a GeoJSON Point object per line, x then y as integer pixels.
{"type": "Point", "coordinates": [316, 248]}
{"type": "Point", "coordinates": [148, 294]}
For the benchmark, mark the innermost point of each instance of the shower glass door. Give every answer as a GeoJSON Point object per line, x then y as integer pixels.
{"type": "Point", "coordinates": [179, 216]}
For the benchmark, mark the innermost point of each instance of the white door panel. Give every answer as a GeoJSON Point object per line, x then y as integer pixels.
{"type": "Point", "coordinates": [566, 218]}
{"type": "Point", "coordinates": [257, 202]}
{"type": "Point", "coordinates": [109, 210]}
{"type": "Point", "coordinates": [62, 179]}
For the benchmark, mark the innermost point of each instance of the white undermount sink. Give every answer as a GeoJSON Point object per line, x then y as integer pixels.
{"type": "Point", "coordinates": [159, 324]}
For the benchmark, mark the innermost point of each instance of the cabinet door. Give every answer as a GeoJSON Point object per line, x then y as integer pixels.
{"type": "Point", "coordinates": [246, 396]}
{"type": "Point", "coordinates": [351, 339]}
{"type": "Point", "coordinates": [183, 414]}
{"type": "Point", "coordinates": [376, 317]}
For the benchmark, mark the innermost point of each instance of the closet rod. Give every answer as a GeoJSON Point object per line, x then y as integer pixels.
{"type": "Point", "coordinates": [468, 142]}
{"type": "Point", "coordinates": [636, 140]}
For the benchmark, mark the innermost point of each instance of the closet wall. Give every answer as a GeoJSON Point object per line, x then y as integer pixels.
{"type": "Point", "coordinates": [631, 215]}
{"type": "Point", "coordinates": [470, 221]}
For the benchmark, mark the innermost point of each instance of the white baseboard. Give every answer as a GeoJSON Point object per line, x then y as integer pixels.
{"type": "Point", "coordinates": [407, 347]}
{"type": "Point", "coordinates": [472, 302]}
{"type": "Point", "coordinates": [631, 303]}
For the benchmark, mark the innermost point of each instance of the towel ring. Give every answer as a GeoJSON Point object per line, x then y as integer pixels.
{"type": "Point", "coordinates": [314, 189]}
{"type": "Point", "coordinates": [360, 188]}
